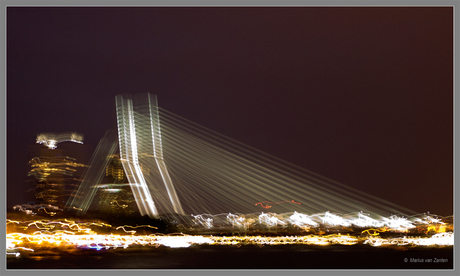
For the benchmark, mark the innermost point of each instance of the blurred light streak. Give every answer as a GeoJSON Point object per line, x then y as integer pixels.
{"type": "Point", "coordinates": [183, 241]}
{"type": "Point", "coordinates": [141, 154]}
{"type": "Point", "coordinates": [201, 221]}
{"type": "Point", "coordinates": [302, 220]}
{"type": "Point", "coordinates": [440, 239]}
{"type": "Point", "coordinates": [215, 174]}
{"type": "Point", "coordinates": [93, 175]}
{"type": "Point", "coordinates": [334, 220]}
{"type": "Point", "coordinates": [365, 221]}
{"type": "Point", "coordinates": [52, 139]}
{"type": "Point", "coordinates": [103, 241]}
{"type": "Point", "coordinates": [69, 235]}
{"type": "Point", "coordinates": [262, 204]}
{"type": "Point", "coordinates": [270, 220]}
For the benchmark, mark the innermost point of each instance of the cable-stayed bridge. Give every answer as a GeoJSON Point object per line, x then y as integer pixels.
{"type": "Point", "coordinates": [175, 166]}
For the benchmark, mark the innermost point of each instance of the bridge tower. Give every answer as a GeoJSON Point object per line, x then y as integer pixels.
{"type": "Point", "coordinates": [141, 154]}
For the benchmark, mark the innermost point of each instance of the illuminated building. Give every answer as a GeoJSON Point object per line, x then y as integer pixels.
{"type": "Point", "coordinates": [115, 169]}
{"type": "Point", "coordinates": [141, 154]}
{"type": "Point", "coordinates": [51, 139]}
{"type": "Point", "coordinates": [114, 196]}
{"type": "Point", "coordinates": [55, 171]}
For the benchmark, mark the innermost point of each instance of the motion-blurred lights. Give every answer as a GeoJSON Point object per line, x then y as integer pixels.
{"type": "Point", "coordinates": [428, 220]}
{"type": "Point", "coordinates": [52, 139]}
{"type": "Point", "coordinates": [398, 223]}
{"type": "Point", "coordinates": [182, 241]}
{"type": "Point", "coordinates": [334, 220]}
{"type": "Point", "coordinates": [440, 239]}
{"type": "Point", "coordinates": [269, 220]}
{"type": "Point", "coordinates": [365, 221]}
{"type": "Point", "coordinates": [301, 220]}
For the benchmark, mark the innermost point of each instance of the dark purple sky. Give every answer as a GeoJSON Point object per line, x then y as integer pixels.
{"type": "Point", "coordinates": [363, 96]}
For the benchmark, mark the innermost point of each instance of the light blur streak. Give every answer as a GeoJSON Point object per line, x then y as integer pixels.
{"type": "Point", "coordinates": [201, 221]}
{"type": "Point", "coordinates": [302, 220]}
{"type": "Point", "coordinates": [133, 231]}
{"type": "Point", "coordinates": [127, 156]}
{"type": "Point", "coordinates": [365, 221]}
{"type": "Point", "coordinates": [55, 225]}
{"type": "Point", "coordinates": [266, 206]}
{"type": "Point", "coordinates": [255, 220]}
{"type": "Point", "coordinates": [215, 174]}
{"type": "Point", "coordinates": [270, 220]}
{"type": "Point", "coordinates": [137, 177]}
{"type": "Point", "coordinates": [69, 235]}
{"type": "Point", "coordinates": [141, 154]}
{"type": "Point", "coordinates": [429, 220]}
{"type": "Point", "coordinates": [100, 241]}
{"type": "Point", "coordinates": [43, 169]}
{"type": "Point", "coordinates": [52, 139]}
{"type": "Point", "coordinates": [85, 193]}
{"type": "Point", "coordinates": [29, 209]}
{"type": "Point", "coordinates": [154, 115]}
{"type": "Point", "coordinates": [334, 220]}
{"type": "Point", "coordinates": [440, 239]}
{"type": "Point", "coordinates": [236, 220]}
{"type": "Point", "coordinates": [398, 223]}
{"type": "Point", "coordinates": [325, 220]}
{"type": "Point", "coordinates": [183, 241]}
{"type": "Point", "coordinates": [48, 213]}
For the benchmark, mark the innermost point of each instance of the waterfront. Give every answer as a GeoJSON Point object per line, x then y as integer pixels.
{"type": "Point", "coordinates": [65, 243]}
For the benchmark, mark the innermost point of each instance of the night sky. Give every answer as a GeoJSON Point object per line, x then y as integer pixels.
{"type": "Point", "coordinates": [363, 96]}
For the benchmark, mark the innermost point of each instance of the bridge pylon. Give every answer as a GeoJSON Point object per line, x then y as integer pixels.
{"type": "Point", "coordinates": [141, 154]}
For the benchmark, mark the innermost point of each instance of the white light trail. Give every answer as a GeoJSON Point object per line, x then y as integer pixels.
{"type": "Point", "coordinates": [215, 174]}
{"type": "Point", "coordinates": [302, 220]}
{"type": "Point", "coordinates": [52, 139]}
{"type": "Point", "coordinates": [73, 236]}
{"type": "Point", "coordinates": [141, 155]}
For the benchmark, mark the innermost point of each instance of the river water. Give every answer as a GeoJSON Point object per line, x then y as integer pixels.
{"type": "Point", "coordinates": [243, 257]}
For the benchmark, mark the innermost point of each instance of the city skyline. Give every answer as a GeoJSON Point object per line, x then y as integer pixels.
{"type": "Point", "coordinates": [363, 96]}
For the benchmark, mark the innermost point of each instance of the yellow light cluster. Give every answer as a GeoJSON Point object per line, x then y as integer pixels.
{"type": "Point", "coordinates": [71, 236]}
{"type": "Point", "coordinates": [65, 239]}
{"type": "Point", "coordinates": [56, 225]}
{"type": "Point", "coordinates": [284, 240]}
{"type": "Point", "coordinates": [116, 173]}
{"type": "Point", "coordinates": [68, 241]}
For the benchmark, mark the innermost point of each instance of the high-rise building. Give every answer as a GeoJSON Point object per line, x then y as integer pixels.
{"type": "Point", "coordinates": [56, 170]}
